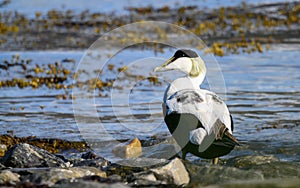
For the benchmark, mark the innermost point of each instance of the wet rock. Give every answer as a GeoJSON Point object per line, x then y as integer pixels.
{"type": "Point", "coordinates": [26, 156]}
{"type": "Point", "coordinates": [249, 161]}
{"type": "Point", "coordinates": [142, 162]}
{"type": "Point", "coordinates": [50, 176]}
{"type": "Point", "coordinates": [150, 171]}
{"type": "Point", "coordinates": [278, 169]}
{"type": "Point", "coordinates": [130, 149]}
{"type": "Point", "coordinates": [98, 163]}
{"type": "Point", "coordinates": [62, 157]}
{"type": "Point", "coordinates": [114, 178]}
{"type": "Point", "coordinates": [269, 166]}
{"type": "Point", "coordinates": [90, 155]}
{"type": "Point", "coordinates": [288, 183]}
{"type": "Point", "coordinates": [8, 177]}
{"type": "Point", "coordinates": [127, 167]}
{"type": "Point", "coordinates": [173, 172]}
{"type": "Point", "coordinates": [145, 179]}
{"type": "Point", "coordinates": [2, 166]}
{"type": "Point", "coordinates": [90, 184]}
{"type": "Point", "coordinates": [110, 179]}
{"type": "Point", "coordinates": [161, 151]}
{"type": "Point", "coordinates": [91, 159]}
{"type": "Point", "coordinates": [214, 174]}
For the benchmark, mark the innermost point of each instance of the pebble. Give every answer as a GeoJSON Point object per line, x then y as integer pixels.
{"type": "Point", "coordinates": [129, 149]}
{"type": "Point", "coordinates": [3, 149]}
{"type": "Point", "coordinates": [6, 176]}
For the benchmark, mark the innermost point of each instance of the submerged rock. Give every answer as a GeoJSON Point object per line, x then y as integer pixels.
{"type": "Point", "coordinates": [269, 166]}
{"type": "Point", "coordinates": [249, 161]}
{"type": "Point", "coordinates": [130, 149]}
{"type": "Point", "coordinates": [8, 177]}
{"type": "Point", "coordinates": [26, 156]}
{"type": "Point", "coordinates": [278, 169]}
{"type": "Point", "coordinates": [274, 183]}
{"type": "Point", "coordinates": [141, 163]}
{"type": "Point", "coordinates": [161, 151]}
{"type": "Point", "coordinates": [214, 174]}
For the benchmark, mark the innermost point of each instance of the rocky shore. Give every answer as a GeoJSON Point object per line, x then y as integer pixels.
{"type": "Point", "coordinates": [25, 165]}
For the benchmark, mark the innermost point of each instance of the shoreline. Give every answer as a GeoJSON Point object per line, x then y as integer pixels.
{"type": "Point", "coordinates": [26, 165]}
{"type": "Point", "coordinates": [223, 28]}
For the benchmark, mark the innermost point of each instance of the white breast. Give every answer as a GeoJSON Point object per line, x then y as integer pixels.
{"type": "Point", "coordinates": [209, 109]}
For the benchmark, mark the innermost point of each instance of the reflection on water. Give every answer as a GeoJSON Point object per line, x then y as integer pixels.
{"type": "Point", "coordinates": [263, 95]}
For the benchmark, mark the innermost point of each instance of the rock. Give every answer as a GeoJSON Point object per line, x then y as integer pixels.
{"type": "Point", "coordinates": [50, 176]}
{"type": "Point", "coordinates": [150, 171]}
{"type": "Point", "coordinates": [3, 149]}
{"type": "Point", "coordinates": [145, 179]}
{"type": "Point", "coordinates": [127, 167]}
{"type": "Point", "coordinates": [278, 169]}
{"type": "Point", "coordinates": [90, 155]}
{"type": "Point", "coordinates": [141, 162]}
{"type": "Point", "coordinates": [161, 151]}
{"type": "Point", "coordinates": [269, 166]}
{"type": "Point", "coordinates": [91, 159]}
{"type": "Point", "coordinates": [248, 161]}
{"type": "Point", "coordinates": [169, 173]}
{"type": "Point", "coordinates": [130, 149]}
{"type": "Point", "coordinates": [26, 156]}
{"type": "Point", "coordinates": [148, 176]}
{"type": "Point", "coordinates": [98, 163]}
{"type": "Point", "coordinates": [2, 166]}
{"type": "Point", "coordinates": [110, 179]}
{"type": "Point", "coordinates": [214, 174]}
{"type": "Point", "coordinates": [173, 172]}
{"type": "Point", "coordinates": [275, 183]}
{"type": "Point", "coordinates": [6, 176]}
{"type": "Point", "coordinates": [90, 184]}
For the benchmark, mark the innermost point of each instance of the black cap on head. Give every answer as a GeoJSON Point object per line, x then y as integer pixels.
{"type": "Point", "coordinates": [185, 53]}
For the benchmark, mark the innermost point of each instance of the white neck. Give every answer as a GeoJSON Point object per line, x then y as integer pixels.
{"type": "Point", "coordinates": [197, 81]}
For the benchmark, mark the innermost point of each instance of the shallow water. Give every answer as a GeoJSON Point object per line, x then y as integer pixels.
{"type": "Point", "coordinates": [263, 95]}
{"type": "Point", "coordinates": [117, 7]}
